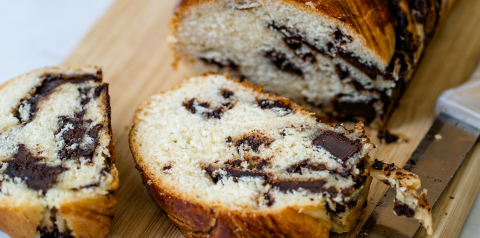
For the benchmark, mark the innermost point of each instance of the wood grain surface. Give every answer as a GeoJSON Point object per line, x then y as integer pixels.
{"type": "Point", "coordinates": [129, 41]}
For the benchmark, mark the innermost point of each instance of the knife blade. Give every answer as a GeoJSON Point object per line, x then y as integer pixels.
{"type": "Point", "coordinates": [436, 158]}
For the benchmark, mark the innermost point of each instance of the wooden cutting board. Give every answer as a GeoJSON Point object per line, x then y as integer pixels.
{"type": "Point", "coordinates": [129, 41]}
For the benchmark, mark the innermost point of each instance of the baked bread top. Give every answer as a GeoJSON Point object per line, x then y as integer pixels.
{"type": "Point", "coordinates": [57, 172]}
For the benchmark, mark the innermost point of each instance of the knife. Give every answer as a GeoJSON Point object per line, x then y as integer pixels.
{"type": "Point", "coordinates": [436, 158]}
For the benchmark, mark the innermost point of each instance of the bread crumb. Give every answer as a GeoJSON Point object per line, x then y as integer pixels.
{"type": "Point", "coordinates": [438, 137]}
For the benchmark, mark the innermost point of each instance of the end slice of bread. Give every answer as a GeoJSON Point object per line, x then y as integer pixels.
{"type": "Point", "coordinates": [223, 158]}
{"type": "Point", "coordinates": [57, 171]}
{"type": "Point", "coordinates": [343, 59]}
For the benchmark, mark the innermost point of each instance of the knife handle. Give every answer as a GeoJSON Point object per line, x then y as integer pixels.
{"type": "Point", "coordinates": [463, 102]}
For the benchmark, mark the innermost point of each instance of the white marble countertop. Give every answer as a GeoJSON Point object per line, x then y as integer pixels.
{"type": "Point", "coordinates": [35, 34]}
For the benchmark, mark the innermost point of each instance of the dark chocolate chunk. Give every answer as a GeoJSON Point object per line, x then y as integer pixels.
{"type": "Point", "coordinates": [369, 69]}
{"type": "Point", "coordinates": [352, 110]}
{"type": "Point", "coordinates": [282, 63]}
{"type": "Point", "coordinates": [105, 170]}
{"type": "Point", "coordinates": [402, 209]}
{"type": "Point", "coordinates": [84, 94]}
{"type": "Point", "coordinates": [49, 83]}
{"type": "Point", "coordinates": [95, 130]}
{"type": "Point", "coordinates": [51, 232]}
{"type": "Point", "coordinates": [85, 101]}
{"type": "Point", "coordinates": [98, 90]}
{"type": "Point", "coordinates": [210, 170]}
{"type": "Point", "coordinates": [310, 185]}
{"type": "Point", "coordinates": [389, 167]}
{"type": "Point", "coordinates": [204, 104]}
{"type": "Point", "coordinates": [341, 38]}
{"type": "Point", "coordinates": [342, 74]}
{"type": "Point", "coordinates": [339, 208]}
{"type": "Point", "coordinates": [91, 185]}
{"type": "Point", "coordinates": [233, 163]}
{"type": "Point", "coordinates": [30, 168]}
{"type": "Point", "coordinates": [261, 165]}
{"type": "Point", "coordinates": [297, 168]}
{"type": "Point", "coordinates": [74, 136]}
{"type": "Point", "coordinates": [255, 162]}
{"type": "Point", "coordinates": [360, 87]}
{"type": "Point", "coordinates": [254, 141]}
{"type": "Point", "coordinates": [32, 102]}
{"type": "Point", "coordinates": [167, 167]}
{"type": "Point", "coordinates": [337, 144]}
{"type": "Point", "coordinates": [190, 105]}
{"type": "Point", "coordinates": [267, 104]}
{"type": "Point", "coordinates": [227, 94]}
{"type": "Point", "coordinates": [269, 198]}
{"type": "Point", "coordinates": [293, 42]}
{"type": "Point", "coordinates": [386, 136]}
{"type": "Point", "coordinates": [235, 172]}
{"type": "Point", "coordinates": [215, 112]}
{"type": "Point", "coordinates": [332, 49]}
{"type": "Point", "coordinates": [224, 64]}
{"type": "Point", "coordinates": [234, 169]}
{"type": "Point", "coordinates": [378, 165]}
{"type": "Point", "coordinates": [359, 180]}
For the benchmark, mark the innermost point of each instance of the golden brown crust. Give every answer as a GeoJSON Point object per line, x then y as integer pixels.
{"type": "Point", "coordinates": [91, 217]}
{"type": "Point", "coordinates": [20, 219]}
{"type": "Point", "coordinates": [195, 220]}
{"type": "Point", "coordinates": [370, 21]}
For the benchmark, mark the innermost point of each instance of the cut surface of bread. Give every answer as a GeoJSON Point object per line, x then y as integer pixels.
{"type": "Point", "coordinates": [347, 59]}
{"type": "Point", "coordinates": [224, 159]}
{"type": "Point", "coordinates": [57, 171]}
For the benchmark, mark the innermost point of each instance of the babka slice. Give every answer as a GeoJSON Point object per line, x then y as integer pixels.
{"type": "Point", "coordinates": [57, 171]}
{"type": "Point", "coordinates": [347, 59]}
{"type": "Point", "coordinates": [224, 159]}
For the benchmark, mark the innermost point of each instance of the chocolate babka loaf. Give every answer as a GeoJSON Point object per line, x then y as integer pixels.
{"type": "Point", "coordinates": [343, 59]}
{"type": "Point", "coordinates": [224, 159]}
{"type": "Point", "coordinates": [57, 171]}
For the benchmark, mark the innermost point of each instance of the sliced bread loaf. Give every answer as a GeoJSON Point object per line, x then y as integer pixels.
{"type": "Point", "coordinates": [348, 59]}
{"type": "Point", "coordinates": [224, 159]}
{"type": "Point", "coordinates": [57, 171]}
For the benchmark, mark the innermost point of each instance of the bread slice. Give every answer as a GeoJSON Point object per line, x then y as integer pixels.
{"type": "Point", "coordinates": [224, 159]}
{"type": "Point", "coordinates": [57, 171]}
{"type": "Point", "coordinates": [347, 59]}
